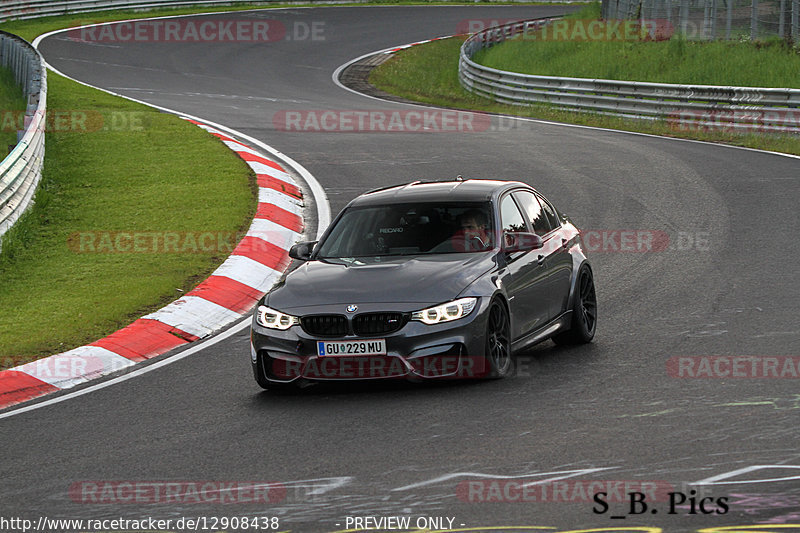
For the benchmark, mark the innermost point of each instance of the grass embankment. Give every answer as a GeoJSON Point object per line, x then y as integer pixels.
{"type": "Point", "coordinates": [113, 166]}
{"type": "Point", "coordinates": [771, 63]}
{"type": "Point", "coordinates": [429, 73]}
{"type": "Point", "coordinates": [62, 281]}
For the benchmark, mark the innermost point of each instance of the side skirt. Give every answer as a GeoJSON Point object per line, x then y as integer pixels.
{"type": "Point", "coordinates": [560, 323]}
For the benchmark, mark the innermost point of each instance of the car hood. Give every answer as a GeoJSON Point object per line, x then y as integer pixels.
{"type": "Point", "coordinates": [418, 279]}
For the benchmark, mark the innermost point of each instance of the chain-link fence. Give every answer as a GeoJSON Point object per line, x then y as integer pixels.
{"type": "Point", "coordinates": [714, 19]}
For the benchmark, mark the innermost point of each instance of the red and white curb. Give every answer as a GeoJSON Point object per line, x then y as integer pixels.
{"type": "Point", "coordinates": [409, 45]}
{"type": "Point", "coordinates": [230, 292]}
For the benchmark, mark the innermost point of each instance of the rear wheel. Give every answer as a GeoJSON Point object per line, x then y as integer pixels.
{"type": "Point", "coordinates": [584, 312]}
{"type": "Point", "coordinates": [498, 342]}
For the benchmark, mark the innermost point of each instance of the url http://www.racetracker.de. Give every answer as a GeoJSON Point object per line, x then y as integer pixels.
{"type": "Point", "coordinates": [198, 523]}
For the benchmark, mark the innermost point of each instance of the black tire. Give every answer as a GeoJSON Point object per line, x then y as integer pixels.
{"type": "Point", "coordinates": [584, 311]}
{"type": "Point", "coordinates": [499, 359]}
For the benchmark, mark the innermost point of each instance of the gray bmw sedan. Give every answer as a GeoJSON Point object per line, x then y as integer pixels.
{"type": "Point", "coordinates": [428, 280]}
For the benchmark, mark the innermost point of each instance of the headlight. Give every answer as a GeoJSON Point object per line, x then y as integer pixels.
{"type": "Point", "coordinates": [270, 318]}
{"type": "Point", "coordinates": [445, 312]}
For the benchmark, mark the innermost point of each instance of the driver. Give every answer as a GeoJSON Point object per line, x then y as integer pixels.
{"type": "Point", "coordinates": [471, 235]}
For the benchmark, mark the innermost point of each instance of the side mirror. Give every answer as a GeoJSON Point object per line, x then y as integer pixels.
{"type": "Point", "coordinates": [302, 250]}
{"type": "Point", "coordinates": [521, 242]}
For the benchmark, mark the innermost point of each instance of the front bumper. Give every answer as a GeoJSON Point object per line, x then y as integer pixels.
{"type": "Point", "coordinates": [417, 351]}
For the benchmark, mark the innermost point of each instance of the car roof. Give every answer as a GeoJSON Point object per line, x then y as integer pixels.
{"type": "Point", "coordinates": [437, 191]}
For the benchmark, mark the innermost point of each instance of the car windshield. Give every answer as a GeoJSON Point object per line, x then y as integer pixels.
{"type": "Point", "coordinates": [410, 229]}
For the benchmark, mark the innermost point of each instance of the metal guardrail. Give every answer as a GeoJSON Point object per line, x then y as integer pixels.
{"type": "Point", "coordinates": [685, 106]}
{"type": "Point", "coordinates": [21, 170]}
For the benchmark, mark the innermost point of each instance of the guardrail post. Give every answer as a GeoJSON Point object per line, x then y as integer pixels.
{"type": "Point", "coordinates": [706, 33]}
{"type": "Point", "coordinates": [646, 11]}
{"type": "Point", "coordinates": [633, 8]}
{"type": "Point", "coordinates": [668, 9]}
{"type": "Point", "coordinates": [782, 20]}
{"type": "Point", "coordinates": [684, 16]}
{"type": "Point", "coordinates": [729, 19]}
{"type": "Point", "coordinates": [713, 19]}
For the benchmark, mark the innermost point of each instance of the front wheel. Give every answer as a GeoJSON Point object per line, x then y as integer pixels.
{"type": "Point", "coordinates": [584, 312]}
{"type": "Point", "coordinates": [498, 342]}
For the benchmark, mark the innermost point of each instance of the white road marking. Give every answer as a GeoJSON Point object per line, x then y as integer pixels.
{"type": "Point", "coordinates": [564, 474]}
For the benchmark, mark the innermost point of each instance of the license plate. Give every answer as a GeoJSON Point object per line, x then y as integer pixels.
{"type": "Point", "coordinates": [334, 348]}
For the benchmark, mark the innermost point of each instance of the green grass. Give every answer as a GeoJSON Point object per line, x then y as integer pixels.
{"type": "Point", "coordinates": [429, 74]}
{"type": "Point", "coordinates": [763, 64]}
{"type": "Point", "coordinates": [12, 107]}
{"type": "Point", "coordinates": [148, 172]}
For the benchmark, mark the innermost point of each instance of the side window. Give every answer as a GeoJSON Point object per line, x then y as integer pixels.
{"type": "Point", "coordinates": [510, 216]}
{"type": "Point", "coordinates": [534, 212]}
{"type": "Point", "coordinates": [550, 212]}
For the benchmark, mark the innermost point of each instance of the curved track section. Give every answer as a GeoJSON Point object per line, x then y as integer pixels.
{"type": "Point", "coordinates": [614, 411]}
